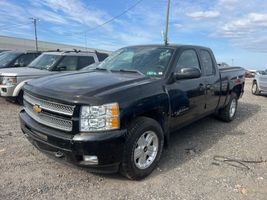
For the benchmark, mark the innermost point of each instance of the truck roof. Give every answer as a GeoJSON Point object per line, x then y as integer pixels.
{"type": "Point", "coordinates": [176, 46]}
{"type": "Point", "coordinates": [69, 53]}
{"type": "Point", "coordinates": [74, 53]}
{"type": "Point", "coordinates": [21, 51]}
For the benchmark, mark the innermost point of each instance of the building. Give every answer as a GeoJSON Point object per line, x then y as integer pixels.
{"type": "Point", "coordinates": [13, 43]}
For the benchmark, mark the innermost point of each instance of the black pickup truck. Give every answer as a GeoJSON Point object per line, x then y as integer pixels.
{"type": "Point", "coordinates": [118, 116]}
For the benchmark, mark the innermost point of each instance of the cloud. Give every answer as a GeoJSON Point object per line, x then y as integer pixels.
{"type": "Point", "coordinates": [47, 16]}
{"type": "Point", "coordinates": [203, 14]}
{"type": "Point", "coordinates": [249, 32]}
{"type": "Point", "coordinates": [77, 11]}
{"type": "Point", "coordinates": [241, 24]}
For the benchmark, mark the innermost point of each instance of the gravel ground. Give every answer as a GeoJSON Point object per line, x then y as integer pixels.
{"type": "Point", "coordinates": [187, 169]}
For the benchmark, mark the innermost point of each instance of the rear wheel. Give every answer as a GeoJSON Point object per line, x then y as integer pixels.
{"type": "Point", "coordinates": [255, 89]}
{"type": "Point", "coordinates": [143, 148]}
{"type": "Point", "coordinates": [228, 113]}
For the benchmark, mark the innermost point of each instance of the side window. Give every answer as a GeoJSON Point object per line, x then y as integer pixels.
{"type": "Point", "coordinates": [68, 63]}
{"type": "Point", "coordinates": [101, 56]}
{"type": "Point", "coordinates": [207, 62]}
{"type": "Point", "coordinates": [85, 61]}
{"type": "Point", "coordinates": [188, 59]}
{"type": "Point", "coordinates": [24, 60]}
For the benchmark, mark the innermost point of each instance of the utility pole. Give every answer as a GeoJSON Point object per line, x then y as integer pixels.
{"type": "Point", "coordinates": [35, 32]}
{"type": "Point", "coordinates": [167, 24]}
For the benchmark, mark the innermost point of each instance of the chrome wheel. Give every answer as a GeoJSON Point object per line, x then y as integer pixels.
{"type": "Point", "coordinates": [233, 107]}
{"type": "Point", "coordinates": [146, 150]}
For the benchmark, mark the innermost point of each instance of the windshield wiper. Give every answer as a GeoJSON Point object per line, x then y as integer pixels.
{"type": "Point", "coordinates": [101, 69]}
{"type": "Point", "coordinates": [130, 71]}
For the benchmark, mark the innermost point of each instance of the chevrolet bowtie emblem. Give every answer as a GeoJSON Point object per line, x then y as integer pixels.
{"type": "Point", "coordinates": [37, 108]}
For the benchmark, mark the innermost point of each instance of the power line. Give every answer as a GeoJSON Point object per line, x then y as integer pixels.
{"type": "Point", "coordinates": [112, 19]}
{"type": "Point", "coordinates": [117, 16]}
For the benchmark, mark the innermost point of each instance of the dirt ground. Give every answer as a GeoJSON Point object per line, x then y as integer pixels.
{"type": "Point", "coordinates": [187, 169]}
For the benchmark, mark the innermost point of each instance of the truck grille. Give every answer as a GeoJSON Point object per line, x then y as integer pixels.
{"type": "Point", "coordinates": [49, 114]}
{"type": "Point", "coordinates": [50, 106]}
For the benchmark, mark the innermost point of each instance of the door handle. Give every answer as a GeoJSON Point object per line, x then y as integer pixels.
{"type": "Point", "coordinates": [208, 86]}
{"type": "Point", "coordinates": [201, 87]}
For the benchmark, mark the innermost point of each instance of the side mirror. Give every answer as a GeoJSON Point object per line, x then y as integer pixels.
{"type": "Point", "coordinates": [187, 73]}
{"type": "Point", "coordinates": [61, 68]}
{"type": "Point", "coordinates": [16, 65]}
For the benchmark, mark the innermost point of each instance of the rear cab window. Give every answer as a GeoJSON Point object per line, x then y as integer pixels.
{"type": "Point", "coordinates": [207, 62]}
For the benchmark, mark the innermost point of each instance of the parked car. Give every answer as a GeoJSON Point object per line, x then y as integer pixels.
{"type": "Point", "coordinates": [12, 59]}
{"type": "Point", "coordinates": [249, 74]}
{"type": "Point", "coordinates": [13, 79]}
{"type": "Point", "coordinates": [259, 84]}
{"type": "Point", "coordinates": [223, 64]}
{"type": "Point", "coordinates": [118, 116]}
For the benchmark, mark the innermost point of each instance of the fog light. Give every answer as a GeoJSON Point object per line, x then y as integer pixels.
{"type": "Point", "coordinates": [90, 160]}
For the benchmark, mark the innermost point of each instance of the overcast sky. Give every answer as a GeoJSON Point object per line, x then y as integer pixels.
{"type": "Point", "coordinates": [235, 29]}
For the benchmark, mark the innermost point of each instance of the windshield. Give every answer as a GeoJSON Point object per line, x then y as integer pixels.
{"type": "Point", "coordinates": [7, 57]}
{"type": "Point", "coordinates": [44, 61]}
{"type": "Point", "coordinates": [150, 61]}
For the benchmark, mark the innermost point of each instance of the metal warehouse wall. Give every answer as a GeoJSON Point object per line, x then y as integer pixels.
{"type": "Point", "coordinates": [12, 43]}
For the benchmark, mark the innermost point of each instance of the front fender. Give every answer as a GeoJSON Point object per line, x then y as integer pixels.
{"type": "Point", "coordinates": [19, 87]}
{"type": "Point", "coordinates": [156, 107]}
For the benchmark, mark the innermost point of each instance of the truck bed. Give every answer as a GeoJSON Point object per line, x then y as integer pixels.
{"type": "Point", "coordinates": [230, 77]}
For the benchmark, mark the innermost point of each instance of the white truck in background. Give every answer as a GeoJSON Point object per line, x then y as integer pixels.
{"type": "Point", "coordinates": [259, 84]}
{"type": "Point", "coordinates": [12, 80]}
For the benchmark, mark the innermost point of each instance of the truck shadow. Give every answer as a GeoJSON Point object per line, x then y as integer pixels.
{"type": "Point", "coordinates": [263, 94]}
{"type": "Point", "coordinates": [193, 140]}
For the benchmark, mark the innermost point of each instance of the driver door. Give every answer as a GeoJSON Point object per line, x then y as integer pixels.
{"type": "Point", "coordinates": [187, 96]}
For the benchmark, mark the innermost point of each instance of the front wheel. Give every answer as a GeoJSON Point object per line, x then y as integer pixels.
{"type": "Point", "coordinates": [228, 113]}
{"type": "Point", "coordinates": [255, 89]}
{"type": "Point", "coordinates": [143, 148]}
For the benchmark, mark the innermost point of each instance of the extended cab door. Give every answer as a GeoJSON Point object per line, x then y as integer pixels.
{"type": "Point", "coordinates": [187, 96]}
{"type": "Point", "coordinates": [211, 80]}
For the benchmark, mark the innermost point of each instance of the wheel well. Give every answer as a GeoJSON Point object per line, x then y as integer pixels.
{"type": "Point", "coordinates": [156, 115]}
{"type": "Point", "coordinates": [161, 119]}
{"type": "Point", "coordinates": [238, 89]}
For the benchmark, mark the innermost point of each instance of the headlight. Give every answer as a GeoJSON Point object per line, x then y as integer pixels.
{"type": "Point", "coordinates": [99, 118]}
{"type": "Point", "coordinates": [9, 81]}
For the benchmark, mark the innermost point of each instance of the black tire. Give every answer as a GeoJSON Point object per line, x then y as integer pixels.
{"type": "Point", "coordinates": [255, 89]}
{"type": "Point", "coordinates": [20, 98]}
{"type": "Point", "coordinates": [137, 128]}
{"type": "Point", "coordinates": [225, 113]}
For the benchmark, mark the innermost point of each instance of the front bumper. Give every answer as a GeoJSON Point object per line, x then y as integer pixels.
{"type": "Point", "coordinates": [107, 146]}
{"type": "Point", "coordinates": [7, 91]}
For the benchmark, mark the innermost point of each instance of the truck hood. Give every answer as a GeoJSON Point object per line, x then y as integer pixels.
{"type": "Point", "coordinates": [83, 86]}
{"type": "Point", "coordinates": [23, 71]}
